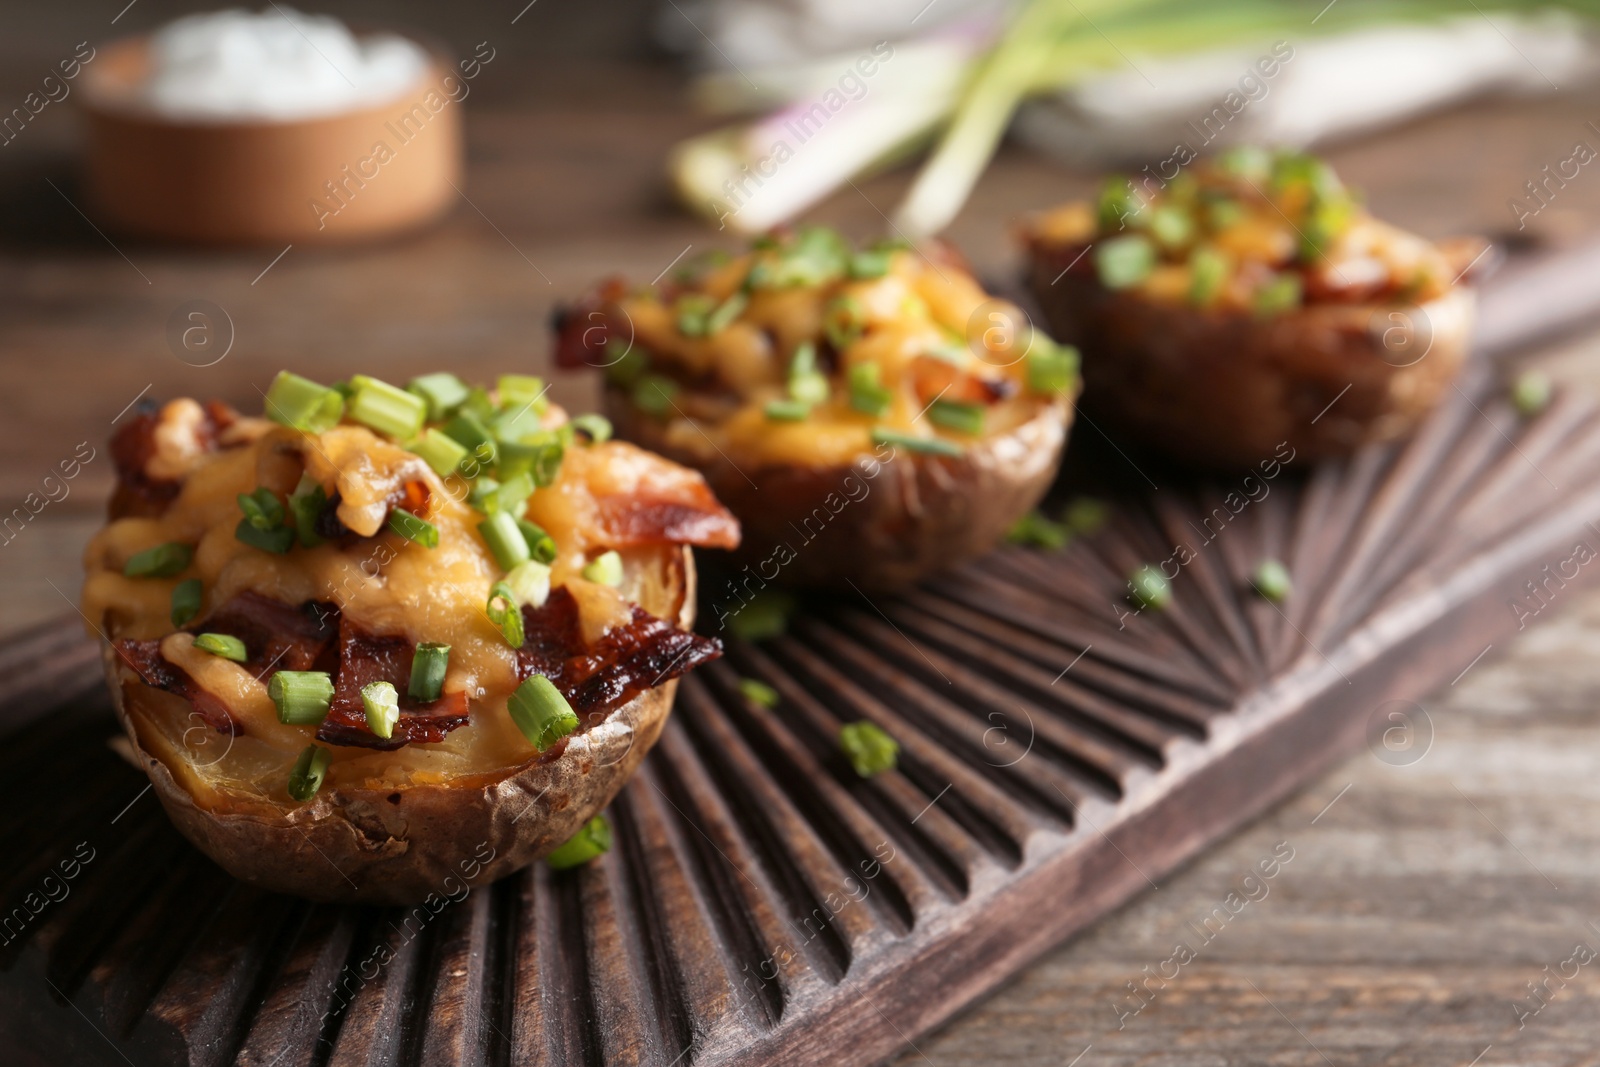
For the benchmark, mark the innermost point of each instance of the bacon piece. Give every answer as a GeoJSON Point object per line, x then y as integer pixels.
{"type": "Point", "coordinates": [583, 328]}
{"type": "Point", "coordinates": [276, 637]}
{"type": "Point", "coordinates": [643, 499]}
{"type": "Point", "coordinates": [640, 655]}
{"type": "Point", "coordinates": [135, 444]}
{"type": "Point", "coordinates": [153, 669]}
{"type": "Point", "coordinates": [137, 494]}
{"type": "Point", "coordinates": [365, 658]}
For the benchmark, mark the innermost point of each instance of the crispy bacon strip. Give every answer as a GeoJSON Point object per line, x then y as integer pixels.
{"type": "Point", "coordinates": [145, 657]}
{"type": "Point", "coordinates": [629, 659]}
{"type": "Point", "coordinates": [276, 637]}
{"type": "Point", "coordinates": [583, 327]}
{"type": "Point", "coordinates": [366, 658]}
{"type": "Point", "coordinates": [137, 494]}
{"type": "Point", "coordinates": [643, 499]}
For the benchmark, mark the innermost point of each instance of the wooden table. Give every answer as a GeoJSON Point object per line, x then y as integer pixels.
{"type": "Point", "coordinates": [1421, 900]}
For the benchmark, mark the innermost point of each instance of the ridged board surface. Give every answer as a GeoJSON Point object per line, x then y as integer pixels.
{"type": "Point", "coordinates": [762, 904]}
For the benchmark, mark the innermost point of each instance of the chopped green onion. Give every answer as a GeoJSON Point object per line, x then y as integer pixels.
{"type": "Point", "coordinates": [538, 460]}
{"type": "Point", "coordinates": [869, 749]}
{"type": "Point", "coordinates": [540, 544]}
{"type": "Point", "coordinates": [1208, 271]}
{"type": "Point", "coordinates": [441, 452]}
{"type": "Point", "coordinates": [626, 369]}
{"type": "Point", "coordinates": [1271, 580]}
{"type": "Point", "coordinates": [443, 392]}
{"type": "Point", "coordinates": [1037, 531]}
{"type": "Point", "coordinates": [484, 495]}
{"type": "Point", "coordinates": [277, 540]}
{"type": "Point", "coordinates": [510, 495]}
{"type": "Point", "coordinates": [1052, 368]}
{"type": "Point", "coordinates": [162, 561]}
{"type": "Point", "coordinates": [758, 692]}
{"type": "Point", "coordinates": [764, 616]}
{"type": "Point", "coordinates": [692, 312]}
{"type": "Point", "coordinates": [593, 839]}
{"type": "Point", "coordinates": [955, 415]}
{"type": "Point", "coordinates": [468, 430]}
{"type": "Point", "coordinates": [870, 264]}
{"type": "Point", "coordinates": [306, 776]}
{"type": "Point", "coordinates": [1150, 588]}
{"type": "Point", "coordinates": [787, 410]}
{"type": "Point", "coordinates": [868, 394]}
{"type": "Point", "coordinates": [306, 505]}
{"type": "Point", "coordinates": [605, 569]}
{"type": "Point", "coordinates": [729, 310]}
{"type": "Point", "coordinates": [597, 428]}
{"type": "Point", "coordinates": [541, 712]}
{"type": "Point", "coordinates": [479, 404]}
{"type": "Point", "coordinates": [654, 394]}
{"type": "Point", "coordinates": [186, 600]}
{"type": "Point", "coordinates": [303, 404]}
{"type": "Point", "coordinates": [1531, 393]}
{"type": "Point", "coordinates": [1085, 515]}
{"type": "Point", "coordinates": [428, 665]}
{"type": "Point", "coordinates": [1250, 162]}
{"type": "Point", "coordinates": [806, 384]}
{"type": "Point", "coordinates": [302, 697]}
{"type": "Point", "coordinates": [1224, 214]}
{"type": "Point", "coordinates": [844, 320]}
{"type": "Point", "coordinates": [224, 646]}
{"type": "Point", "coordinates": [413, 528]}
{"type": "Point", "coordinates": [1172, 227]}
{"type": "Point", "coordinates": [1326, 220]}
{"type": "Point", "coordinates": [386, 408]}
{"type": "Point", "coordinates": [814, 256]}
{"type": "Point", "coordinates": [382, 705]}
{"type": "Point", "coordinates": [804, 360]}
{"type": "Point", "coordinates": [522, 391]}
{"type": "Point", "coordinates": [1303, 168]}
{"type": "Point", "coordinates": [262, 508]}
{"type": "Point", "coordinates": [932, 446]}
{"type": "Point", "coordinates": [516, 424]}
{"type": "Point", "coordinates": [1123, 262]}
{"type": "Point", "coordinates": [504, 539]}
{"type": "Point", "coordinates": [504, 611]}
{"type": "Point", "coordinates": [1116, 204]}
{"type": "Point", "coordinates": [529, 583]}
{"type": "Point", "coordinates": [1281, 294]}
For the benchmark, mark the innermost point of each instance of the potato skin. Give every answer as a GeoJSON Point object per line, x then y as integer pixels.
{"type": "Point", "coordinates": [356, 845]}
{"type": "Point", "coordinates": [891, 522]}
{"type": "Point", "coordinates": [1223, 389]}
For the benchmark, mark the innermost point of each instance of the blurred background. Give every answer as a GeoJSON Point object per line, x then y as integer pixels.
{"type": "Point", "coordinates": [612, 138]}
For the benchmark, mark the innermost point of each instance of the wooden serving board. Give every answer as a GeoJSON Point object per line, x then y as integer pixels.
{"type": "Point", "coordinates": [762, 904]}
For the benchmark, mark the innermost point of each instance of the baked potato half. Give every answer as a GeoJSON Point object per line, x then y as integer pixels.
{"type": "Point", "coordinates": [1250, 302]}
{"type": "Point", "coordinates": [387, 643]}
{"type": "Point", "coordinates": [870, 415]}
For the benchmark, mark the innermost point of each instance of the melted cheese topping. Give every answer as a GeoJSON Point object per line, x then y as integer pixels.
{"type": "Point", "coordinates": [1259, 235]}
{"type": "Point", "coordinates": [917, 312]}
{"type": "Point", "coordinates": [386, 584]}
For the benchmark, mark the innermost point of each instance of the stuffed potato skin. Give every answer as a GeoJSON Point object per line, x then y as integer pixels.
{"type": "Point", "coordinates": [1224, 388]}
{"type": "Point", "coordinates": [362, 661]}
{"type": "Point", "coordinates": [399, 846]}
{"type": "Point", "coordinates": [871, 415]}
{"type": "Point", "coordinates": [1248, 303]}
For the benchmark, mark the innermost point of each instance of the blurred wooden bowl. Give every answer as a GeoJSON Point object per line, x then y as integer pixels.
{"type": "Point", "coordinates": [347, 176]}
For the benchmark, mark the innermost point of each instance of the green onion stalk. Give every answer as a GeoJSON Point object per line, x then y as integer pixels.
{"type": "Point", "coordinates": [1047, 46]}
